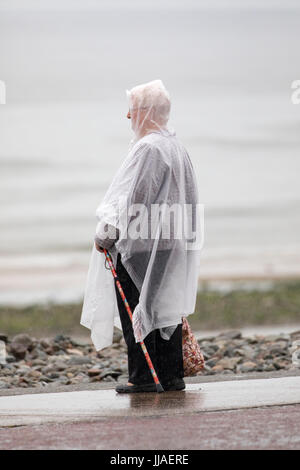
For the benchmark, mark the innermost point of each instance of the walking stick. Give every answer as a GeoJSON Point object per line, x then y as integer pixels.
{"type": "Point", "coordinates": [159, 387]}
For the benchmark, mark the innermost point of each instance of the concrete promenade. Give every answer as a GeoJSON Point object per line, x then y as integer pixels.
{"type": "Point", "coordinates": [255, 413]}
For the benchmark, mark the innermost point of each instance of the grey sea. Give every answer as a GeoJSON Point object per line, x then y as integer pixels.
{"type": "Point", "coordinates": [64, 133]}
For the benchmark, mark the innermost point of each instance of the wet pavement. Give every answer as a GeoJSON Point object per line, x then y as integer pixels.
{"type": "Point", "coordinates": [276, 427]}
{"type": "Point", "coordinates": [197, 398]}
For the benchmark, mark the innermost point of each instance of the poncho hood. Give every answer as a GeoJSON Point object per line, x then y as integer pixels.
{"type": "Point", "coordinates": [149, 105]}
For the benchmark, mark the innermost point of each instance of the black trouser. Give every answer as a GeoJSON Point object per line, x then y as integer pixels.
{"type": "Point", "coordinates": [166, 355]}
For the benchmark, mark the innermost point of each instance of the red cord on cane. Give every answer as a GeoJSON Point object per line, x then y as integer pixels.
{"type": "Point", "coordinates": [159, 387]}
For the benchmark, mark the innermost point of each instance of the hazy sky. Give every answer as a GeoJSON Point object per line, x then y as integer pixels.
{"type": "Point", "coordinates": [142, 4]}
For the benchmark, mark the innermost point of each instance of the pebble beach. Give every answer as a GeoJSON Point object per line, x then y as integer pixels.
{"type": "Point", "coordinates": [27, 362]}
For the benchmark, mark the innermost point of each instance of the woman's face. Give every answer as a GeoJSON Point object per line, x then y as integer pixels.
{"type": "Point", "coordinates": [137, 114]}
{"type": "Point", "coordinates": [136, 117]}
{"type": "Point", "coordinates": [140, 123]}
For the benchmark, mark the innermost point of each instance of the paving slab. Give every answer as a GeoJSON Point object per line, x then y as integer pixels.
{"type": "Point", "coordinates": [197, 398]}
{"type": "Point", "coordinates": [265, 428]}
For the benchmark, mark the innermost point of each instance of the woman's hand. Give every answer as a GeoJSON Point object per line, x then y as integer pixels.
{"type": "Point", "coordinates": [98, 247]}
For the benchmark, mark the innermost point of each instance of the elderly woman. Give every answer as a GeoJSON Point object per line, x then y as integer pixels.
{"type": "Point", "coordinates": [149, 223]}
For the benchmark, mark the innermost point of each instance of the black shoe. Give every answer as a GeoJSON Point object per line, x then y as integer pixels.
{"type": "Point", "coordinates": [124, 388]}
{"type": "Point", "coordinates": [174, 384]}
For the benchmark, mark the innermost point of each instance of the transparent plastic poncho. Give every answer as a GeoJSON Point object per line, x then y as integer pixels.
{"type": "Point", "coordinates": [152, 213]}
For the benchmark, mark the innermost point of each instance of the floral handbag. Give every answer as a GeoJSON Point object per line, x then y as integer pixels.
{"type": "Point", "coordinates": [193, 360]}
